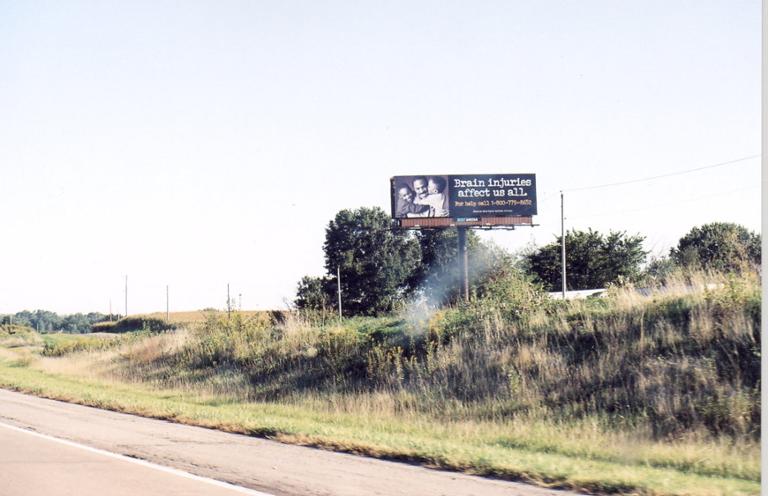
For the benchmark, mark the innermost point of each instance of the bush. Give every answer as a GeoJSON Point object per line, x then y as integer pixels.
{"type": "Point", "coordinates": [721, 246]}
{"type": "Point", "coordinates": [513, 293]}
{"type": "Point", "coordinates": [130, 324]}
{"type": "Point", "coordinates": [103, 327]}
{"type": "Point", "coordinates": [593, 260]}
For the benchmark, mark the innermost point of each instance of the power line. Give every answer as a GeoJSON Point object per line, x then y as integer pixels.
{"type": "Point", "coordinates": [678, 173]}
{"type": "Point", "coordinates": [666, 204]}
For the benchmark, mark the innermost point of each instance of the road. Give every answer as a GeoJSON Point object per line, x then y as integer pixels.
{"type": "Point", "coordinates": [31, 464]}
{"type": "Point", "coordinates": [54, 448]}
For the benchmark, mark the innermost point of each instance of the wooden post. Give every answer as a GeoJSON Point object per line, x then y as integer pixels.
{"type": "Point", "coordinates": [338, 287]}
{"type": "Point", "coordinates": [562, 241]}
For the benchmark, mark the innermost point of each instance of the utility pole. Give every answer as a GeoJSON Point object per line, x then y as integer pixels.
{"type": "Point", "coordinates": [463, 260]}
{"type": "Point", "coordinates": [167, 306]}
{"type": "Point", "coordinates": [126, 295]}
{"type": "Point", "coordinates": [338, 286]}
{"type": "Point", "coordinates": [562, 239]}
{"type": "Point", "coordinates": [229, 303]}
{"type": "Point", "coordinates": [110, 309]}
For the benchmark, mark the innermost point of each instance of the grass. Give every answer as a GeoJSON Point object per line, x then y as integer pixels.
{"type": "Point", "coordinates": [479, 449]}
{"type": "Point", "coordinates": [60, 344]}
{"type": "Point", "coordinates": [654, 393]}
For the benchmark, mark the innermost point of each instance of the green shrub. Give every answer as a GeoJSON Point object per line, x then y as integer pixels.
{"type": "Point", "coordinates": [130, 324]}
{"type": "Point", "coordinates": [103, 326]}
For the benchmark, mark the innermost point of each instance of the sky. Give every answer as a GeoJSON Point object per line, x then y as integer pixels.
{"type": "Point", "coordinates": [199, 144]}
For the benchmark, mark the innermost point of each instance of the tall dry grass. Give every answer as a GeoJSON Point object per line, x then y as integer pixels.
{"type": "Point", "coordinates": [617, 394]}
{"type": "Point", "coordinates": [676, 360]}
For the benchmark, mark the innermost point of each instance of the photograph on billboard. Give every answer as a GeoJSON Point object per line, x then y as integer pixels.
{"type": "Point", "coordinates": [464, 197]}
{"type": "Point", "coordinates": [420, 196]}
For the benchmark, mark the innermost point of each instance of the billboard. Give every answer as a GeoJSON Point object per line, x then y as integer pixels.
{"type": "Point", "coordinates": [464, 198]}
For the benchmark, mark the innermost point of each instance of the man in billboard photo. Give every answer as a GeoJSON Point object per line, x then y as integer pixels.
{"type": "Point", "coordinates": [406, 206]}
{"type": "Point", "coordinates": [432, 194]}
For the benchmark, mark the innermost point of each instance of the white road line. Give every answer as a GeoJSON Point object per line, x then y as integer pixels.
{"type": "Point", "coordinates": [144, 463]}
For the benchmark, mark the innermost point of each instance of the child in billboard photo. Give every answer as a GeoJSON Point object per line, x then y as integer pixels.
{"type": "Point", "coordinates": [406, 206]}
{"type": "Point", "coordinates": [431, 192]}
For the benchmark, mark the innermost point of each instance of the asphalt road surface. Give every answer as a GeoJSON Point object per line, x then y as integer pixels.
{"type": "Point", "coordinates": [53, 448]}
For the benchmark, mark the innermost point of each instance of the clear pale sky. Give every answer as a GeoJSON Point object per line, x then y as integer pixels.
{"type": "Point", "coordinates": [195, 144]}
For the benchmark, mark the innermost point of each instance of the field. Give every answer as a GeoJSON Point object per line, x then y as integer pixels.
{"type": "Point", "coordinates": [197, 316]}
{"type": "Point", "coordinates": [654, 393]}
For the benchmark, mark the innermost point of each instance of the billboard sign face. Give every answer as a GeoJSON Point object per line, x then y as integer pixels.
{"type": "Point", "coordinates": [464, 198]}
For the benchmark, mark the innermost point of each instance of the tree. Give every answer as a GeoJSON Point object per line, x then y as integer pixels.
{"type": "Point", "coordinates": [721, 246]}
{"type": "Point", "coordinates": [40, 320]}
{"type": "Point", "coordinates": [439, 274]}
{"type": "Point", "coordinates": [376, 262]}
{"type": "Point", "coordinates": [46, 321]}
{"type": "Point", "coordinates": [592, 260]}
{"type": "Point", "coordinates": [74, 323]}
{"type": "Point", "coordinates": [314, 293]}
{"type": "Point", "coordinates": [658, 268]}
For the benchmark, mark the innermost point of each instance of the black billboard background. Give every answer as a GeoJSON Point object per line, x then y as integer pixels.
{"type": "Point", "coordinates": [480, 195]}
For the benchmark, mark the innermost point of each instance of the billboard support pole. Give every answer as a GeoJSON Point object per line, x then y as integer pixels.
{"type": "Point", "coordinates": [463, 261]}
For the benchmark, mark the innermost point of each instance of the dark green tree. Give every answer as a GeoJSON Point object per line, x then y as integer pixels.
{"type": "Point", "coordinates": [315, 293]}
{"type": "Point", "coordinates": [438, 276]}
{"type": "Point", "coordinates": [593, 260]}
{"type": "Point", "coordinates": [721, 246]}
{"type": "Point", "coordinates": [658, 268]}
{"type": "Point", "coordinates": [376, 262]}
{"type": "Point", "coordinates": [75, 323]}
{"type": "Point", "coordinates": [40, 320]}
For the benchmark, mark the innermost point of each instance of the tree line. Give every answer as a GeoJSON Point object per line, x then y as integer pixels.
{"type": "Point", "coordinates": [46, 321]}
{"type": "Point", "coordinates": [380, 267]}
